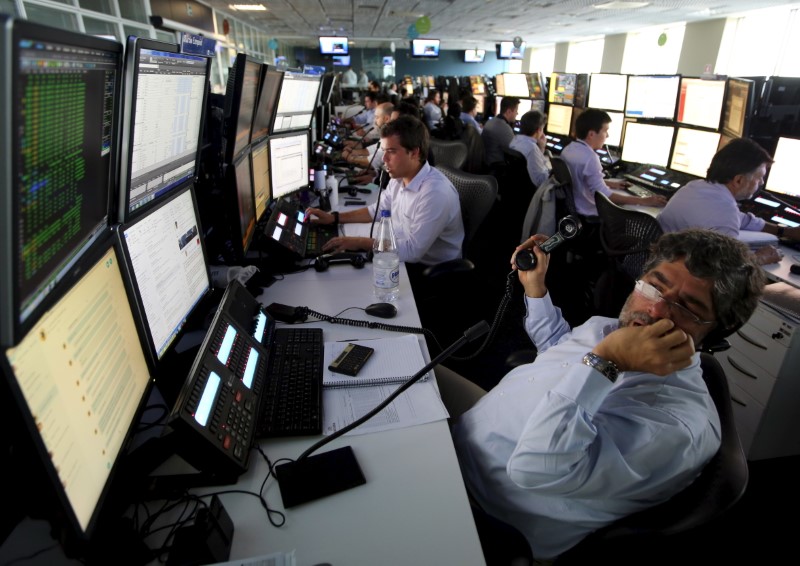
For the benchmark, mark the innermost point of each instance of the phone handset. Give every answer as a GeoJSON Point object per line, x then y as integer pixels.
{"type": "Point", "coordinates": [568, 228]}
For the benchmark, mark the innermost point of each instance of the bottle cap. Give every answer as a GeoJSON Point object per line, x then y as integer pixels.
{"type": "Point", "coordinates": [386, 213]}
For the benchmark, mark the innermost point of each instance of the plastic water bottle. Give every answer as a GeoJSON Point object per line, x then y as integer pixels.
{"type": "Point", "coordinates": [385, 261]}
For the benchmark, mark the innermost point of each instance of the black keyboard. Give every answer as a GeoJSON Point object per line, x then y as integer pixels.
{"type": "Point", "coordinates": [291, 400]}
{"type": "Point", "coordinates": [639, 191]}
{"type": "Point", "coordinates": [318, 236]}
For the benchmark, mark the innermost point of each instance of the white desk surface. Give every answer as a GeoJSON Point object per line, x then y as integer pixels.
{"type": "Point", "coordinates": [413, 508]}
{"type": "Point", "coordinates": [780, 271]}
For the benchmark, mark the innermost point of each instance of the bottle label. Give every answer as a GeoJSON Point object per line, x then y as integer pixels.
{"type": "Point", "coordinates": [386, 278]}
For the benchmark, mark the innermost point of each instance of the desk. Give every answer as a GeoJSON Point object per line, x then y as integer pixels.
{"type": "Point", "coordinates": [413, 508]}
{"type": "Point", "coordinates": [780, 271]}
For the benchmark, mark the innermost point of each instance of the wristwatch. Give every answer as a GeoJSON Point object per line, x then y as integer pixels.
{"type": "Point", "coordinates": [607, 368]}
{"type": "Point", "coordinates": [781, 230]}
{"type": "Point", "coordinates": [335, 217]}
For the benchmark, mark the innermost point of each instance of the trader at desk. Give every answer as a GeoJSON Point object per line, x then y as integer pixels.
{"type": "Point", "coordinates": [613, 416]}
{"type": "Point", "coordinates": [736, 172]}
{"type": "Point", "coordinates": [426, 213]}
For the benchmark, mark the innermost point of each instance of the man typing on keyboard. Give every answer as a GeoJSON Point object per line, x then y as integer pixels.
{"type": "Point", "coordinates": [591, 129]}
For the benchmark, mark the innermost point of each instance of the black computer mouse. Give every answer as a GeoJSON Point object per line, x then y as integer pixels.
{"type": "Point", "coordinates": [383, 310]}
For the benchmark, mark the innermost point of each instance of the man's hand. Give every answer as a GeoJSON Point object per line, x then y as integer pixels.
{"type": "Point", "coordinates": [533, 279]}
{"type": "Point", "coordinates": [617, 184]}
{"type": "Point", "coordinates": [659, 348]}
{"type": "Point", "coordinates": [347, 243]}
{"type": "Point", "coordinates": [319, 216]}
{"type": "Point", "coordinates": [768, 254]}
{"type": "Point", "coordinates": [655, 200]}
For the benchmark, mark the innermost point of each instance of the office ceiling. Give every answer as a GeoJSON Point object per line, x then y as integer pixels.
{"type": "Point", "coordinates": [464, 24]}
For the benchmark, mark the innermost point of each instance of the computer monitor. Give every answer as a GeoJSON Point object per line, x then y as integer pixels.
{"type": "Point", "coordinates": [652, 96]}
{"type": "Point", "coordinates": [647, 143]}
{"type": "Point", "coordinates": [500, 85]}
{"type": "Point", "coordinates": [241, 96]}
{"type": "Point", "coordinates": [288, 163]}
{"type": "Point", "coordinates": [58, 131]}
{"type": "Point", "coordinates": [333, 45]}
{"type": "Point", "coordinates": [536, 86]}
{"type": "Point", "coordinates": [341, 60]}
{"type": "Point", "coordinates": [737, 110]}
{"type": "Point", "coordinates": [80, 380]}
{"type": "Point", "coordinates": [525, 105]}
{"type": "Point", "coordinates": [474, 55]}
{"type": "Point", "coordinates": [782, 177]}
{"type": "Point", "coordinates": [782, 91]}
{"type": "Point", "coordinates": [581, 90]}
{"type": "Point", "coordinates": [243, 210]}
{"type": "Point", "coordinates": [507, 50]}
{"type": "Point", "coordinates": [480, 104]}
{"type": "Point", "coordinates": [700, 102]}
{"type": "Point", "coordinates": [164, 102]}
{"type": "Point", "coordinates": [296, 102]}
{"type": "Point", "coordinates": [607, 91]}
{"type": "Point", "coordinates": [693, 151]}
{"type": "Point", "coordinates": [559, 119]}
{"type": "Point", "coordinates": [270, 88]}
{"type": "Point", "coordinates": [477, 86]}
{"type": "Point", "coordinates": [562, 88]}
{"type": "Point", "coordinates": [615, 128]}
{"type": "Point", "coordinates": [516, 84]}
{"type": "Point", "coordinates": [259, 163]}
{"type": "Point", "coordinates": [326, 88]}
{"type": "Point", "coordinates": [166, 263]}
{"type": "Point", "coordinates": [425, 48]}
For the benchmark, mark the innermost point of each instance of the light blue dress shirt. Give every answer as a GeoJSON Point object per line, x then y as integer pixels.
{"type": "Point", "coordinates": [432, 114]}
{"type": "Point", "coordinates": [538, 164]}
{"type": "Point", "coordinates": [469, 120]}
{"type": "Point", "coordinates": [587, 176]}
{"type": "Point", "coordinates": [557, 450]}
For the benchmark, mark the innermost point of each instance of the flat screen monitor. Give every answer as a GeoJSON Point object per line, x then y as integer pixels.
{"type": "Point", "coordinates": [536, 87]}
{"type": "Point", "coordinates": [288, 163]}
{"type": "Point", "coordinates": [341, 60]}
{"type": "Point", "coordinates": [477, 85]}
{"type": "Point", "coordinates": [425, 48]}
{"type": "Point", "coordinates": [562, 88]}
{"type": "Point", "coordinates": [782, 177]}
{"type": "Point", "coordinates": [165, 258]}
{"type": "Point", "coordinates": [296, 102]}
{"type": "Point", "coordinates": [581, 90]}
{"type": "Point", "coordinates": [738, 107]}
{"type": "Point", "coordinates": [525, 105]}
{"type": "Point", "coordinates": [700, 102]}
{"type": "Point", "coordinates": [647, 143]}
{"type": "Point", "coordinates": [387, 60]}
{"type": "Point", "coordinates": [326, 88]}
{"type": "Point", "coordinates": [164, 101]}
{"type": "Point", "coordinates": [516, 84]}
{"type": "Point", "coordinates": [607, 91]}
{"type": "Point", "coordinates": [240, 104]}
{"type": "Point", "coordinates": [474, 55]}
{"type": "Point", "coordinates": [652, 96]}
{"type": "Point", "coordinates": [333, 45]}
{"type": "Point", "coordinates": [59, 137]}
{"type": "Point", "coordinates": [80, 379]}
{"type": "Point", "coordinates": [500, 85]}
{"type": "Point", "coordinates": [270, 88]}
{"type": "Point", "coordinates": [783, 91]}
{"type": "Point", "coordinates": [693, 151]}
{"type": "Point", "coordinates": [243, 210]}
{"type": "Point", "coordinates": [615, 128]}
{"type": "Point", "coordinates": [259, 164]}
{"type": "Point", "coordinates": [507, 50]}
{"type": "Point", "coordinates": [559, 119]}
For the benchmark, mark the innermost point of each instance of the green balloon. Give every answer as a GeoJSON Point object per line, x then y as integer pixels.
{"type": "Point", "coordinates": [662, 39]}
{"type": "Point", "coordinates": [423, 24]}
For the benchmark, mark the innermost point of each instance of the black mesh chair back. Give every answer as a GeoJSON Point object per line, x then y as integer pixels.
{"type": "Point", "coordinates": [452, 153]}
{"type": "Point", "coordinates": [477, 194]}
{"type": "Point", "coordinates": [564, 177]}
{"type": "Point", "coordinates": [626, 235]}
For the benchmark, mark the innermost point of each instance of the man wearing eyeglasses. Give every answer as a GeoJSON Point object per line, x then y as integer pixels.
{"type": "Point", "coordinates": [613, 416]}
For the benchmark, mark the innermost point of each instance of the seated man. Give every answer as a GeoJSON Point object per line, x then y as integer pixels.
{"type": "Point", "coordinates": [612, 417]}
{"type": "Point", "coordinates": [426, 212]}
{"type": "Point", "coordinates": [372, 154]}
{"type": "Point", "coordinates": [736, 172]}
{"type": "Point", "coordinates": [498, 132]}
{"type": "Point", "coordinates": [469, 109]}
{"type": "Point", "coordinates": [432, 110]}
{"type": "Point", "coordinates": [591, 131]}
{"type": "Point", "coordinates": [532, 143]}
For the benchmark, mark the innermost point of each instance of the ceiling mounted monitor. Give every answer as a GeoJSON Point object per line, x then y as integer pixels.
{"type": "Point", "coordinates": [474, 55]}
{"type": "Point", "coordinates": [333, 46]}
{"type": "Point", "coordinates": [507, 50]}
{"type": "Point", "coordinates": [425, 48]}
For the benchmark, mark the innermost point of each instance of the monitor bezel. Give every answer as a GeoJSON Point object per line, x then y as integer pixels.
{"type": "Point", "coordinates": [750, 105]}
{"type": "Point", "coordinates": [233, 105]}
{"type": "Point", "coordinates": [302, 77]}
{"type": "Point", "coordinates": [133, 46]}
{"type": "Point", "coordinates": [140, 315]}
{"type": "Point", "coordinates": [12, 329]}
{"type": "Point", "coordinates": [265, 71]}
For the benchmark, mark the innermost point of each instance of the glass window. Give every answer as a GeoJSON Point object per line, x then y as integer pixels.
{"type": "Point", "coordinates": [133, 10]}
{"type": "Point", "coordinates": [101, 27]}
{"type": "Point", "coordinates": [102, 6]}
{"type": "Point", "coordinates": [8, 7]}
{"type": "Point", "coordinates": [138, 32]}
{"type": "Point", "coordinates": [543, 60]}
{"type": "Point", "coordinates": [653, 51]}
{"type": "Point", "coordinates": [52, 17]}
{"type": "Point", "coordinates": [789, 64]}
{"type": "Point", "coordinates": [166, 36]}
{"type": "Point", "coordinates": [585, 56]}
{"type": "Point", "coordinates": [751, 44]}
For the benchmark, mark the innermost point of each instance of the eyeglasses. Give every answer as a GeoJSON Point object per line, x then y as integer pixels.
{"type": "Point", "coordinates": [678, 311]}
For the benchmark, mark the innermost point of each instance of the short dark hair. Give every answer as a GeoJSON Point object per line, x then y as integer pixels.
{"type": "Point", "coordinates": [405, 108]}
{"type": "Point", "coordinates": [371, 95]}
{"type": "Point", "coordinates": [737, 278]}
{"type": "Point", "coordinates": [590, 120]}
{"type": "Point", "coordinates": [507, 103]}
{"type": "Point", "coordinates": [380, 97]}
{"type": "Point", "coordinates": [431, 94]}
{"type": "Point", "coordinates": [412, 134]}
{"type": "Point", "coordinates": [530, 122]}
{"type": "Point", "coordinates": [468, 103]}
{"type": "Point", "coordinates": [741, 156]}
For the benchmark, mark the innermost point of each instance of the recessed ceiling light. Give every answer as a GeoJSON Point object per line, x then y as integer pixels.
{"type": "Point", "coordinates": [248, 7]}
{"type": "Point", "coordinates": [621, 5]}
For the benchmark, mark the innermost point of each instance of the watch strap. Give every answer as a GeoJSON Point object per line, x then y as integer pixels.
{"type": "Point", "coordinates": [607, 368]}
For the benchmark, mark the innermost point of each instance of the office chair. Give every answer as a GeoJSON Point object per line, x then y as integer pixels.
{"type": "Point", "coordinates": [719, 486]}
{"type": "Point", "coordinates": [626, 236]}
{"type": "Point", "coordinates": [452, 153]}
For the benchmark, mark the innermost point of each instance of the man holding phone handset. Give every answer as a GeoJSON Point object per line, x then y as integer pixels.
{"type": "Point", "coordinates": [613, 416]}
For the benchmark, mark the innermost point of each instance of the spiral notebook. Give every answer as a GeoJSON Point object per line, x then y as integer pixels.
{"type": "Point", "coordinates": [394, 361]}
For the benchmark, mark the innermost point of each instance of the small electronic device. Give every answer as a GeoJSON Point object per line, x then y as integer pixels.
{"type": "Point", "coordinates": [351, 360]}
{"type": "Point", "coordinates": [568, 228]}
